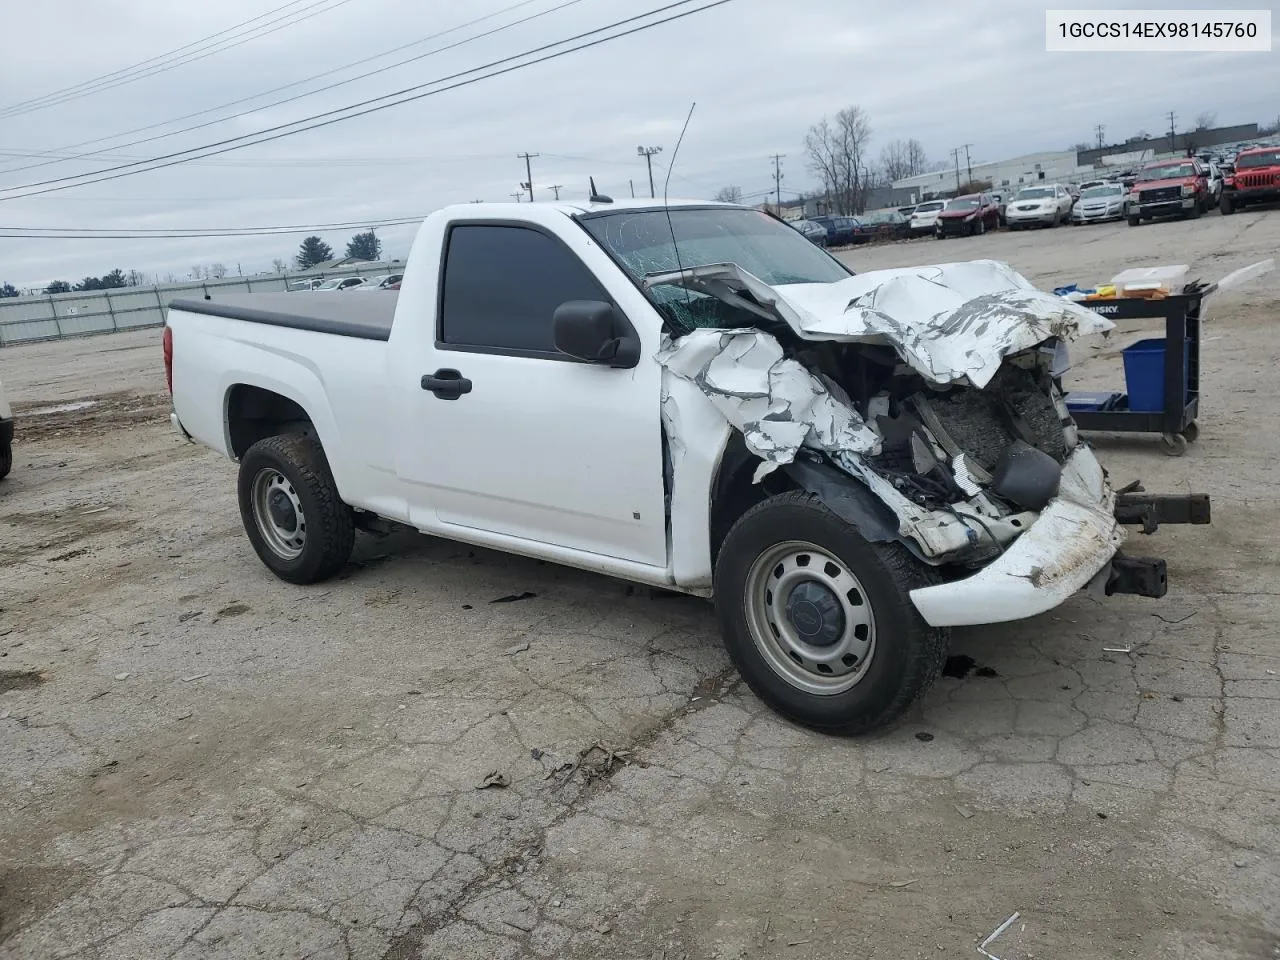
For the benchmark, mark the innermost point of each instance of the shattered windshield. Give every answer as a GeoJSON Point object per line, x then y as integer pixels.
{"type": "Point", "coordinates": [641, 241]}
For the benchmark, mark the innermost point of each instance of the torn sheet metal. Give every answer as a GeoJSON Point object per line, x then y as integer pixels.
{"type": "Point", "coordinates": [950, 322]}
{"type": "Point", "coordinates": [775, 401]}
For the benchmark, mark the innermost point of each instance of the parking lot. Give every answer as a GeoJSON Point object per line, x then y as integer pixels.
{"type": "Point", "coordinates": [447, 752]}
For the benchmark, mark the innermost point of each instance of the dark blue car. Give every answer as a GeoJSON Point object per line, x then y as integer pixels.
{"type": "Point", "coordinates": [840, 230]}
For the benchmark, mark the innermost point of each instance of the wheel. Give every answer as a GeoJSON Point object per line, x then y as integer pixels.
{"type": "Point", "coordinates": [6, 459]}
{"type": "Point", "coordinates": [1225, 205]}
{"type": "Point", "coordinates": [1196, 209]}
{"type": "Point", "coordinates": [980, 227]}
{"type": "Point", "coordinates": [1175, 444]}
{"type": "Point", "coordinates": [819, 622]}
{"type": "Point", "coordinates": [291, 510]}
{"type": "Point", "coordinates": [1191, 431]}
{"type": "Point", "coordinates": [1134, 221]}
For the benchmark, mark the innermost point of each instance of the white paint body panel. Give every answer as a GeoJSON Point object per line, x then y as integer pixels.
{"type": "Point", "coordinates": [6, 412]}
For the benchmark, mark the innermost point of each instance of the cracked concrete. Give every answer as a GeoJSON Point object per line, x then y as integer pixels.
{"type": "Point", "coordinates": [294, 772]}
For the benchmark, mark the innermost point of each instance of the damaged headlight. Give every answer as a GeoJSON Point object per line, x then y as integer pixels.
{"type": "Point", "coordinates": [1060, 357]}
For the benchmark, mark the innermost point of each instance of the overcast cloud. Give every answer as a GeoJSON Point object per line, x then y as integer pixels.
{"type": "Point", "coordinates": [947, 72]}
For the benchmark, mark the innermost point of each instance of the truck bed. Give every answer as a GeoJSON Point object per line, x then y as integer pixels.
{"type": "Point", "coordinates": [366, 316]}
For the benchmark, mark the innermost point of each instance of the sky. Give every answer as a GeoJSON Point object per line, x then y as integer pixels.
{"type": "Point", "coordinates": [946, 72]}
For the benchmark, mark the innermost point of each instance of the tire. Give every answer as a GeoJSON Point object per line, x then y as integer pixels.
{"type": "Point", "coordinates": [1226, 206]}
{"type": "Point", "coordinates": [859, 593]}
{"type": "Point", "coordinates": [6, 459]}
{"type": "Point", "coordinates": [290, 474]}
{"type": "Point", "coordinates": [1134, 221]}
{"type": "Point", "coordinates": [1196, 210]}
{"type": "Point", "coordinates": [980, 227]}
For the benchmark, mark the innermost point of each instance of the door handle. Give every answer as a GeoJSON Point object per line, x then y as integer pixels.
{"type": "Point", "coordinates": [446, 383]}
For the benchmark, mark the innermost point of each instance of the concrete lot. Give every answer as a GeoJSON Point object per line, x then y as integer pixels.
{"type": "Point", "coordinates": [201, 761]}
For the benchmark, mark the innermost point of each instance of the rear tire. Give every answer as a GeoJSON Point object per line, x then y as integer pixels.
{"type": "Point", "coordinates": [844, 650]}
{"type": "Point", "coordinates": [1226, 206]}
{"type": "Point", "coordinates": [1134, 221]}
{"type": "Point", "coordinates": [6, 459]}
{"type": "Point", "coordinates": [291, 509]}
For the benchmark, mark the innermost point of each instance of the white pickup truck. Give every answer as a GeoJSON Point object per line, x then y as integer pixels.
{"type": "Point", "coordinates": [690, 396]}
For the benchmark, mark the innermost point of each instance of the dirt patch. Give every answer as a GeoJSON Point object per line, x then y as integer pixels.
{"type": "Point", "coordinates": [54, 530]}
{"type": "Point", "coordinates": [89, 415]}
{"type": "Point", "coordinates": [19, 680]}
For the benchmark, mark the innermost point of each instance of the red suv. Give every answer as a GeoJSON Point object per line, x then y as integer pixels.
{"type": "Point", "coordinates": [1167, 188]}
{"type": "Point", "coordinates": [968, 215]}
{"type": "Point", "coordinates": [1256, 179]}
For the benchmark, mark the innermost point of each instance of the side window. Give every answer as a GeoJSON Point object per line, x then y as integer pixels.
{"type": "Point", "coordinates": [502, 285]}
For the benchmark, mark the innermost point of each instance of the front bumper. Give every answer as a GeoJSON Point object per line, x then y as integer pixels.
{"type": "Point", "coordinates": [177, 425]}
{"type": "Point", "coordinates": [1030, 217]}
{"type": "Point", "coordinates": [1254, 195]}
{"type": "Point", "coordinates": [1093, 216]}
{"type": "Point", "coordinates": [955, 227]}
{"type": "Point", "coordinates": [1163, 208]}
{"type": "Point", "coordinates": [1073, 539]}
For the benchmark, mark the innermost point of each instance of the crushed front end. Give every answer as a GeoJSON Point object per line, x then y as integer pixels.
{"type": "Point", "coordinates": [924, 406]}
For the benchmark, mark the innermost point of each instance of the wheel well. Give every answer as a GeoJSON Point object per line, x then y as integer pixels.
{"type": "Point", "coordinates": [254, 413]}
{"type": "Point", "coordinates": [733, 493]}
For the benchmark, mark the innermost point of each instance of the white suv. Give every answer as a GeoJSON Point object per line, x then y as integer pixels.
{"type": "Point", "coordinates": [1045, 205]}
{"type": "Point", "coordinates": [925, 217]}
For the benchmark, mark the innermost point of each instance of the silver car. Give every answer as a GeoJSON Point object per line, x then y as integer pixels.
{"type": "Point", "coordinates": [1103, 201]}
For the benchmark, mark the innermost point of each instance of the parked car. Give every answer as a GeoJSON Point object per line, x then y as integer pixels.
{"type": "Point", "coordinates": [1104, 200]}
{"type": "Point", "coordinates": [1165, 188]}
{"type": "Point", "coordinates": [1215, 178]}
{"type": "Point", "coordinates": [968, 215]}
{"type": "Point", "coordinates": [305, 284]}
{"type": "Point", "coordinates": [836, 557]}
{"type": "Point", "coordinates": [1092, 183]}
{"type": "Point", "coordinates": [908, 210]}
{"type": "Point", "coordinates": [382, 282]}
{"type": "Point", "coordinates": [925, 217]}
{"type": "Point", "coordinates": [881, 225]}
{"type": "Point", "coordinates": [340, 283]}
{"type": "Point", "coordinates": [1255, 179]}
{"type": "Point", "coordinates": [839, 229]}
{"type": "Point", "coordinates": [1044, 205]}
{"type": "Point", "coordinates": [814, 232]}
{"type": "Point", "coordinates": [6, 435]}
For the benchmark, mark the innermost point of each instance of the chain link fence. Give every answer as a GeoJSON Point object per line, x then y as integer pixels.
{"type": "Point", "coordinates": [54, 316]}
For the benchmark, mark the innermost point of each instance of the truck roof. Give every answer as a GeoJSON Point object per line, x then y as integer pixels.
{"type": "Point", "coordinates": [575, 208]}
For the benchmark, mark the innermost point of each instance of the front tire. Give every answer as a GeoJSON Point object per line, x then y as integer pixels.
{"type": "Point", "coordinates": [819, 621]}
{"type": "Point", "coordinates": [6, 459]}
{"type": "Point", "coordinates": [1134, 221]}
{"type": "Point", "coordinates": [291, 509]}
{"type": "Point", "coordinates": [1226, 206]}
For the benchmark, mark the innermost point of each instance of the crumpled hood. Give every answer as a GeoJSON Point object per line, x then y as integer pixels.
{"type": "Point", "coordinates": [951, 322]}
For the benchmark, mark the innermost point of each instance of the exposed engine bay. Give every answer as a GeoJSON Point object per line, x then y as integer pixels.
{"type": "Point", "coordinates": [921, 405]}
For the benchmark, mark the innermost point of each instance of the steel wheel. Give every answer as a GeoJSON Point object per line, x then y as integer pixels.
{"type": "Point", "coordinates": [278, 515]}
{"type": "Point", "coordinates": [810, 618]}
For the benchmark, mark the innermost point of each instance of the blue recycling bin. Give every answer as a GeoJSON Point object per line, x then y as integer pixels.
{"type": "Point", "coordinates": [1144, 374]}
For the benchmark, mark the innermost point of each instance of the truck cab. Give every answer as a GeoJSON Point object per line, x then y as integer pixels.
{"type": "Point", "coordinates": [1255, 178]}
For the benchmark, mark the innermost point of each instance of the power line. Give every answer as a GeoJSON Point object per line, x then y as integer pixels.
{"type": "Point", "coordinates": [292, 99]}
{"type": "Point", "coordinates": [160, 56]}
{"type": "Point", "coordinates": [176, 233]}
{"type": "Point", "coordinates": [289, 20]}
{"type": "Point", "coordinates": [371, 105]}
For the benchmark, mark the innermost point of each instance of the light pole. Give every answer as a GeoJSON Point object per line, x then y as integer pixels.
{"type": "Point", "coordinates": [647, 153]}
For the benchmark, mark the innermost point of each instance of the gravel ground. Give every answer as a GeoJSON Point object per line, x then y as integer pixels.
{"type": "Point", "coordinates": [201, 761]}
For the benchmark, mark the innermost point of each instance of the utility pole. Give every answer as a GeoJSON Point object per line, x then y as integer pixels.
{"type": "Point", "coordinates": [966, 161]}
{"type": "Point", "coordinates": [517, 195]}
{"type": "Point", "coordinates": [1173, 136]}
{"type": "Point", "coordinates": [528, 171]}
{"type": "Point", "coordinates": [777, 182]}
{"type": "Point", "coordinates": [556, 187]}
{"type": "Point", "coordinates": [955, 155]}
{"type": "Point", "coordinates": [633, 188]}
{"type": "Point", "coordinates": [1098, 129]}
{"type": "Point", "coordinates": [647, 153]}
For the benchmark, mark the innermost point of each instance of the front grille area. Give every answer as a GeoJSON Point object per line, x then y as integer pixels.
{"type": "Point", "coordinates": [1160, 194]}
{"type": "Point", "coordinates": [1258, 179]}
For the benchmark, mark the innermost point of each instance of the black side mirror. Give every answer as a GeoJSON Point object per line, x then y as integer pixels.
{"type": "Point", "coordinates": [593, 330]}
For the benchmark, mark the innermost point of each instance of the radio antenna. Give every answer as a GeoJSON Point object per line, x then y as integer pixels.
{"type": "Point", "coordinates": [666, 185]}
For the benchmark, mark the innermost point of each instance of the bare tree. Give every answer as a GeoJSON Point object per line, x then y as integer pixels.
{"type": "Point", "coordinates": [837, 155]}
{"type": "Point", "coordinates": [902, 158]}
{"type": "Point", "coordinates": [279, 265]}
{"type": "Point", "coordinates": [1206, 120]}
{"type": "Point", "coordinates": [1081, 146]}
{"type": "Point", "coordinates": [1140, 135]}
{"type": "Point", "coordinates": [729, 194]}
{"type": "Point", "coordinates": [218, 271]}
